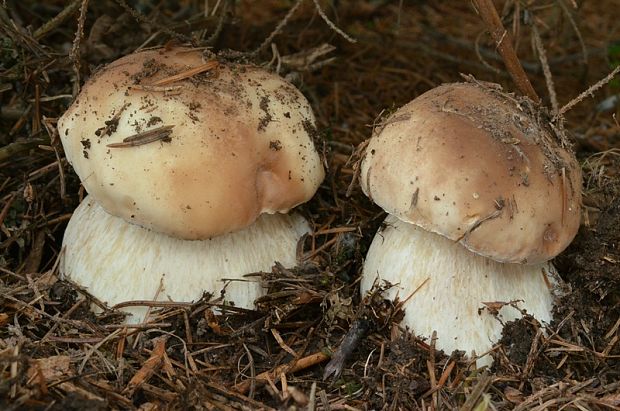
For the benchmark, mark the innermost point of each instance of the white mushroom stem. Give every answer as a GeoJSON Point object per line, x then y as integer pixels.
{"type": "Point", "coordinates": [118, 261]}
{"type": "Point", "coordinates": [452, 286]}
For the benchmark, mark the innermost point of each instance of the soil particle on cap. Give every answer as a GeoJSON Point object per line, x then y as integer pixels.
{"type": "Point", "coordinates": [193, 116]}
{"type": "Point", "coordinates": [86, 146]}
{"type": "Point", "coordinates": [109, 128]}
{"type": "Point", "coordinates": [111, 125]}
{"type": "Point", "coordinates": [136, 126]}
{"type": "Point", "coordinates": [264, 121]}
{"type": "Point", "coordinates": [150, 67]}
{"type": "Point", "coordinates": [232, 110]}
{"type": "Point", "coordinates": [414, 198]}
{"type": "Point", "coordinates": [312, 131]}
{"type": "Point", "coordinates": [275, 145]}
{"type": "Point", "coordinates": [154, 120]}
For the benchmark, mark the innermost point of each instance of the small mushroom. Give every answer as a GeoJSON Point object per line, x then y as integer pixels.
{"type": "Point", "coordinates": [193, 149]}
{"type": "Point", "coordinates": [480, 196]}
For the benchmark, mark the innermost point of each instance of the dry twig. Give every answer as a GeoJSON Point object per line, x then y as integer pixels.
{"type": "Point", "coordinates": [294, 366]}
{"type": "Point", "coordinates": [503, 41]}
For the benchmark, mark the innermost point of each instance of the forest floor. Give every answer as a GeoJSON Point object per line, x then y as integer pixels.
{"type": "Point", "coordinates": [57, 354]}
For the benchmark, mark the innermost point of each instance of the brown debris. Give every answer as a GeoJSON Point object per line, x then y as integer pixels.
{"type": "Point", "coordinates": [150, 366]}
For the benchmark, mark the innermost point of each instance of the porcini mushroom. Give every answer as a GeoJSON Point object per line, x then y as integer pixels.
{"type": "Point", "coordinates": [189, 148]}
{"type": "Point", "coordinates": [480, 195]}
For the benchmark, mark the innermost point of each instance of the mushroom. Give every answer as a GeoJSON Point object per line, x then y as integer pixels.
{"type": "Point", "coordinates": [480, 195]}
{"type": "Point", "coordinates": [192, 149]}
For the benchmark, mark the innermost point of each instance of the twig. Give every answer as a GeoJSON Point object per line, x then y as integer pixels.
{"type": "Point", "coordinates": [143, 19]}
{"type": "Point", "coordinates": [278, 29]}
{"type": "Point", "coordinates": [149, 367]}
{"type": "Point", "coordinates": [8, 151]}
{"type": "Point", "coordinates": [61, 172]}
{"type": "Point", "coordinates": [252, 371]}
{"type": "Point", "coordinates": [542, 55]}
{"type": "Point", "coordinates": [587, 93]}
{"type": "Point", "coordinates": [348, 345]}
{"type": "Point", "coordinates": [146, 137]}
{"type": "Point", "coordinates": [74, 340]}
{"type": "Point", "coordinates": [209, 65]}
{"type": "Point", "coordinates": [220, 24]}
{"type": "Point", "coordinates": [138, 326]}
{"type": "Point", "coordinates": [57, 20]}
{"type": "Point", "coordinates": [481, 387]}
{"type": "Point", "coordinates": [531, 358]}
{"type": "Point", "coordinates": [274, 374]}
{"type": "Point", "coordinates": [238, 396]}
{"type": "Point", "coordinates": [312, 398]}
{"type": "Point", "coordinates": [442, 379]}
{"type": "Point", "coordinates": [282, 344]}
{"type": "Point", "coordinates": [503, 41]}
{"type": "Point", "coordinates": [356, 159]}
{"type": "Point", "coordinates": [75, 50]}
{"type": "Point", "coordinates": [151, 303]}
{"type": "Point", "coordinates": [14, 369]}
{"type": "Point", "coordinates": [331, 24]}
{"type": "Point", "coordinates": [65, 315]}
{"type": "Point", "coordinates": [430, 366]}
{"type": "Point", "coordinates": [111, 124]}
{"type": "Point", "coordinates": [584, 50]}
{"type": "Point", "coordinates": [481, 57]}
{"type": "Point", "coordinates": [6, 208]}
{"type": "Point", "coordinates": [96, 347]}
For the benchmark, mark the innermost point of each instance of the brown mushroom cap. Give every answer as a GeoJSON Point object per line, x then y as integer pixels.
{"type": "Point", "coordinates": [226, 144]}
{"type": "Point", "coordinates": [470, 163]}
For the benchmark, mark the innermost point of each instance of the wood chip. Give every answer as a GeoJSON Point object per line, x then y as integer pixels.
{"type": "Point", "coordinates": [149, 368]}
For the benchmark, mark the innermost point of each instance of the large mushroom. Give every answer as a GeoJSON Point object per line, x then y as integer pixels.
{"type": "Point", "coordinates": [185, 154]}
{"type": "Point", "coordinates": [480, 195]}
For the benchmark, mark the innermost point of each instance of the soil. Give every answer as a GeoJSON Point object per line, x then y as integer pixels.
{"type": "Point", "coordinates": [57, 352]}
